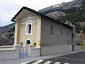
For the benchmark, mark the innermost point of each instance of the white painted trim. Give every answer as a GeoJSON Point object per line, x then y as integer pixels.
{"type": "Point", "coordinates": [25, 62]}
{"type": "Point", "coordinates": [37, 62]}
{"type": "Point", "coordinates": [48, 62]}
{"type": "Point", "coordinates": [66, 63]}
{"type": "Point", "coordinates": [30, 20]}
{"type": "Point", "coordinates": [29, 40]}
{"type": "Point", "coordinates": [25, 19]}
{"type": "Point", "coordinates": [29, 45]}
{"type": "Point", "coordinates": [57, 63]}
{"type": "Point", "coordinates": [28, 27]}
{"type": "Point", "coordinates": [15, 36]}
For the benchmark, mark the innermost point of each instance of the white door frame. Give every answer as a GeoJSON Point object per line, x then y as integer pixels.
{"type": "Point", "coordinates": [26, 41]}
{"type": "Point", "coordinates": [28, 49]}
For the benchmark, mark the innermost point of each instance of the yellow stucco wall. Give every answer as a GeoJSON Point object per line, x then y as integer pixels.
{"type": "Point", "coordinates": [21, 36]}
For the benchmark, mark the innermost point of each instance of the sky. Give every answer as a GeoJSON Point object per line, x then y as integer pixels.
{"type": "Point", "coordinates": [9, 8]}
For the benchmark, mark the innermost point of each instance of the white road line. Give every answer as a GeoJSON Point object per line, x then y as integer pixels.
{"type": "Point", "coordinates": [37, 62]}
{"type": "Point", "coordinates": [48, 62]}
{"type": "Point", "coordinates": [57, 63]}
{"type": "Point", "coordinates": [66, 63]}
{"type": "Point", "coordinates": [25, 62]}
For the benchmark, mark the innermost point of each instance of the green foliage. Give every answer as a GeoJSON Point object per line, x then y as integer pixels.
{"type": "Point", "coordinates": [83, 2]}
{"type": "Point", "coordinates": [9, 35]}
{"type": "Point", "coordinates": [74, 17]}
{"type": "Point", "coordinates": [83, 45]}
{"type": "Point", "coordinates": [78, 28]}
{"type": "Point", "coordinates": [69, 10]}
{"type": "Point", "coordinates": [12, 29]}
{"type": "Point", "coordinates": [74, 14]}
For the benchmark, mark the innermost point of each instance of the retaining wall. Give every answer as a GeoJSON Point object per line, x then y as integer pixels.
{"type": "Point", "coordinates": [9, 52]}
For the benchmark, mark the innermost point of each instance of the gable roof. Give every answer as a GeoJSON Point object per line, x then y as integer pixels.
{"type": "Point", "coordinates": [40, 14]}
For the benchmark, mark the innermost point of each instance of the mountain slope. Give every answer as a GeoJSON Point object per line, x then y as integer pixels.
{"type": "Point", "coordinates": [63, 9]}
{"type": "Point", "coordinates": [74, 14]}
{"type": "Point", "coordinates": [7, 34]}
{"type": "Point", "coordinates": [64, 5]}
{"type": "Point", "coordinates": [7, 28]}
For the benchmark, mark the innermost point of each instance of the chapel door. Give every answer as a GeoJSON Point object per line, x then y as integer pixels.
{"type": "Point", "coordinates": [24, 50]}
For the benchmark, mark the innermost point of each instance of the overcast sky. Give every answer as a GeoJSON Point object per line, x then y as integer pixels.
{"type": "Point", "coordinates": [8, 8]}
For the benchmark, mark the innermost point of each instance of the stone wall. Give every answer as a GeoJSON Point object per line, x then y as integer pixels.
{"type": "Point", "coordinates": [55, 49]}
{"type": "Point", "coordinates": [55, 37]}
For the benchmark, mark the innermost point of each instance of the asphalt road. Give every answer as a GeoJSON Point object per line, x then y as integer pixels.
{"type": "Point", "coordinates": [77, 58]}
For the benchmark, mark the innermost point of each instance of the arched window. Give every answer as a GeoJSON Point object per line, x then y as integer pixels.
{"type": "Point", "coordinates": [28, 42]}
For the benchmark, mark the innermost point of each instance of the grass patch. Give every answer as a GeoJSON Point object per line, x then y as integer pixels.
{"type": "Point", "coordinates": [83, 45]}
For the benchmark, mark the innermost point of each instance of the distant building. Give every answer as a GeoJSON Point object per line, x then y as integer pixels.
{"type": "Point", "coordinates": [82, 24]}
{"type": "Point", "coordinates": [40, 34]}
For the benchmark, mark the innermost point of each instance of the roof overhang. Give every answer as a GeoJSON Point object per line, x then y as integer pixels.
{"type": "Point", "coordinates": [24, 11]}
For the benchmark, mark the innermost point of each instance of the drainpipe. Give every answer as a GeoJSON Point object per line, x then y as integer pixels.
{"type": "Point", "coordinates": [40, 50]}
{"type": "Point", "coordinates": [40, 47]}
{"type": "Point", "coordinates": [73, 38]}
{"type": "Point", "coordinates": [72, 41]}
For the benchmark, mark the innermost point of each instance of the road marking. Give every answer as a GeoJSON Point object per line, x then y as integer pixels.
{"type": "Point", "coordinates": [25, 62]}
{"type": "Point", "coordinates": [66, 63]}
{"type": "Point", "coordinates": [37, 62]}
{"type": "Point", "coordinates": [48, 62]}
{"type": "Point", "coordinates": [57, 63]}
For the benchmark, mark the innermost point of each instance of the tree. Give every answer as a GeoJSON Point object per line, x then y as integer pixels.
{"type": "Point", "coordinates": [84, 30]}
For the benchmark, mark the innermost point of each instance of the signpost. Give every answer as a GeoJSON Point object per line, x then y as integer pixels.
{"type": "Point", "coordinates": [40, 46]}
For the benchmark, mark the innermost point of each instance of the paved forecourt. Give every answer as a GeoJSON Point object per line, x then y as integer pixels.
{"type": "Point", "coordinates": [76, 58]}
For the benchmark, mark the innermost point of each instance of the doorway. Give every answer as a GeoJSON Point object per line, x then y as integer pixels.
{"type": "Point", "coordinates": [25, 50]}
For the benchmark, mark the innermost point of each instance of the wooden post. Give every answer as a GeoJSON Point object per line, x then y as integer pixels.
{"type": "Point", "coordinates": [40, 50]}
{"type": "Point", "coordinates": [40, 47]}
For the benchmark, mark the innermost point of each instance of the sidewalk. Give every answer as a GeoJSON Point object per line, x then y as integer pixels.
{"type": "Point", "coordinates": [18, 61]}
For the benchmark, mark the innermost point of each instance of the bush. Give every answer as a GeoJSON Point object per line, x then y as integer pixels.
{"type": "Point", "coordinates": [84, 30]}
{"type": "Point", "coordinates": [78, 28]}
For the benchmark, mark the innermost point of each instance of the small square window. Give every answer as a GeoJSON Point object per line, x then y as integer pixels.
{"type": "Point", "coordinates": [52, 29]}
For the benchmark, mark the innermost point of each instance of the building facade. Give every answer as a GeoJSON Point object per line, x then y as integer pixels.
{"type": "Point", "coordinates": [37, 34]}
